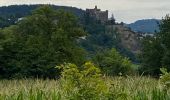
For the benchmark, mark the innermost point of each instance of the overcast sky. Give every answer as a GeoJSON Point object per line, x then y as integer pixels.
{"type": "Point", "coordinates": [124, 10]}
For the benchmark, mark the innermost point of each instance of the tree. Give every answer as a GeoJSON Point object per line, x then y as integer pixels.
{"type": "Point", "coordinates": [39, 42]}
{"type": "Point", "coordinates": [151, 56]}
{"type": "Point", "coordinates": [164, 36]}
{"type": "Point", "coordinates": [112, 63]}
{"type": "Point", "coordinates": [156, 50]}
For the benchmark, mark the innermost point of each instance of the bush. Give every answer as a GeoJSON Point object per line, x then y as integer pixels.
{"type": "Point", "coordinates": [165, 79]}
{"type": "Point", "coordinates": [112, 63]}
{"type": "Point", "coordinates": [82, 84]}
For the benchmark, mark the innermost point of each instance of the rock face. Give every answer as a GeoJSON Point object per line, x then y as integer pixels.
{"type": "Point", "coordinates": [128, 38]}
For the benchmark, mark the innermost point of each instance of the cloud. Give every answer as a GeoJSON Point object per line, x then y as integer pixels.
{"type": "Point", "coordinates": [124, 10]}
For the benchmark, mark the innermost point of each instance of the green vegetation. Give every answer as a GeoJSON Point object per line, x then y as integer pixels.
{"type": "Point", "coordinates": [132, 88]}
{"type": "Point", "coordinates": [48, 45]}
{"type": "Point", "coordinates": [46, 38]}
{"type": "Point", "coordinates": [97, 39]}
{"type": "Point", "coordinates": [9, 15]}
{"type": "Point", "coordinates": [38, 43]}
{"type": "Point", "coordinates": [112, 63]}
{"type": "Point", "coordinates": [84, 84]}
{"type": "Point", "coordinates": [155, 50]}
{"type": "Point", "coordinates": [100, 38]}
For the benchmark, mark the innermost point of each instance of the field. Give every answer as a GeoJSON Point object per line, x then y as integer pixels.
{"type": "Point", "coordinates": [129, 88]}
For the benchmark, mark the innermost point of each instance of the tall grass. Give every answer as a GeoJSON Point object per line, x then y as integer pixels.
{"type": "Point", "coordinates": [87, 83]}
{"type": "Point", "coordinates": [120, 88]}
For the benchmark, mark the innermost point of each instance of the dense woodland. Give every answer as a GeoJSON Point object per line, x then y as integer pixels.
{"type": "Point", "coordinates": [97, 39]}
{"type": "Point", "coordinates": [46, 38]}
{"type": "Point", "coordinates": [10, 14]}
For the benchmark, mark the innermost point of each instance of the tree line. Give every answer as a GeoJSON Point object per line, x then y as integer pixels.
{"type": "Point", "coordinates": [34, 46]}
{"type": "Point", "coordinates": [47, 38]}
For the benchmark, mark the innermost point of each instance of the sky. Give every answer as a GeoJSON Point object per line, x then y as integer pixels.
{"type": "Point", "coordinates": [126, 11]}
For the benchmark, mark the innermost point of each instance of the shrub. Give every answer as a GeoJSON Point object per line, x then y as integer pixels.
{"type": "Point", "coordinates": [112, 63]}
{"type": "Point", "coordinates": [82, 84]}
{"type": "Point", "coordinates": [165, 79]}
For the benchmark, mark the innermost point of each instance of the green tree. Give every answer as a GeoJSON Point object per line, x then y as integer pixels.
{"type": "Point", "coordinates": [164, 36]}
{"type": "Point", "coordinates": [40, 41]}
{"type": "Point", "coordinates": [151, 56]}
{"type": "Point", "coordinates": [112, 63]}
{"type": "Point", "coordinates": [156, 50]}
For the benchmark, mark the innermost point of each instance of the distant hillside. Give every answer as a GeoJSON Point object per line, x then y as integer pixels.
{"type": "Point", "coordinates": [10, 14]}
{"type": "Point", "coordinates": [100, 37]}
{"type": "Point", "coordinates": [145, 26]}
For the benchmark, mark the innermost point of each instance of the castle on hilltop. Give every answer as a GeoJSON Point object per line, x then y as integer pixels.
{"type": "Point", "coordinates": [102, 16]}
{"type": "Point", "coordinates": [128, 38]}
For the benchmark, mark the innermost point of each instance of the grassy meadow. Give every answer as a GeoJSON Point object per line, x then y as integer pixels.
{"type": "Point", "coordinates": [120, 88]}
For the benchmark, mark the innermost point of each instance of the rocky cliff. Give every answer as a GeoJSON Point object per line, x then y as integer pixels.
{"type": "Point", "coordinates": [128, 38]}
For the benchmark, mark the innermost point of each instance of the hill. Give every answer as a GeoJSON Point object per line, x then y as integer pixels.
{"type": "Point", "coordinates": [10, 14]}
{"type": "Point", "coordinates": [145, 26]}
{"type": "Point", "coordinates": [101, 37]}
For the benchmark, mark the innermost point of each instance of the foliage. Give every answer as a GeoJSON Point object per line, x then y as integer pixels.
{"type": "Point", "coordinates": [97, 39]}
{"type": "Point", "coordinates": [9, 15]}
{"type": "Point", "coordinates": [112, 63]}
{"type": "Point", "coordinates": [101, 37]}
{"type": "Point", "coordinates": [120, 88]}
{"type": "Point", "coordinates": [37, 43]}
{"type": "Point", "coordinates": [82, 84]}
{"type": "Point", "coordinates": [165, 79]}
{"type": "Point", "coordinates": [151, 56]}
{"type": "Point", "coordinates": [155, 52]}
{"type": "Point", "coordinates": [164, 36]}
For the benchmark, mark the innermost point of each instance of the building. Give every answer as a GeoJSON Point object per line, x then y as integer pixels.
{"type": "Point", "coordinates": [102, 16]}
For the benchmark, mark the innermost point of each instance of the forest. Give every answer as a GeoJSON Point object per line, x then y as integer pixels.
{"type": "Point", "coordinates": [56, 54]}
